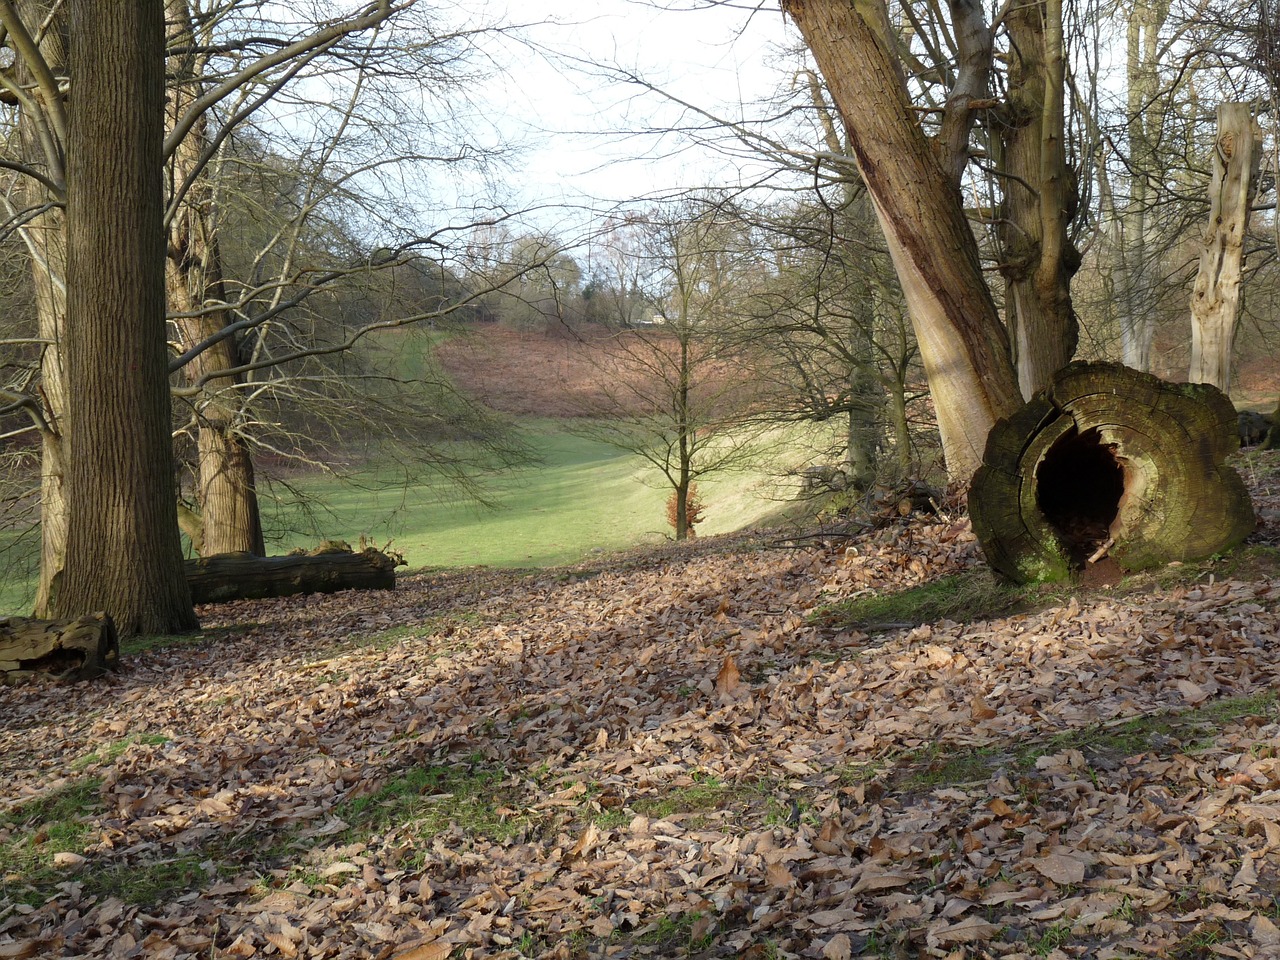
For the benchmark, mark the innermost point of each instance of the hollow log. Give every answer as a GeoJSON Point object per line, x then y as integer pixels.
{"type": "Point", "coordinates": [243, 576]}
{"type": "Point", "coordinates": [1109, 462]}
{"type": "Point", "coordinates": [78, 649]}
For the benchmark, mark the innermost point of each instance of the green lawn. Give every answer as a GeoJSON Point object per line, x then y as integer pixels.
{"type": "Point", "coordinates": [583, 496]}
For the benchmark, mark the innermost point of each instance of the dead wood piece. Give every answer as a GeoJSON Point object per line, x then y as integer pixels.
{"type": "Point", "coordinates": [78, 649]}
{"type": "Point", "coordinates": [243, 576]}
{"type": "Point", "coordinates": [1107, 461]}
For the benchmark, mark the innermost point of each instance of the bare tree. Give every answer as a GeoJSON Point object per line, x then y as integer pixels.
{"type": "Point", "coordinates": [674, 385]}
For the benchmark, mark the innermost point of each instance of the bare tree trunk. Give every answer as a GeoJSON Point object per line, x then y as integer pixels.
{"type": "Point", "coordinates": [1134, 236]}
{"type": "Point", "coordinates": [45, 238]}
{"type": "Point", "coordinates": [123, 553]}
{"type": "Point", "coordinates": [225, 491]}
{"type": "Point", "coordinates": [1040, 200]}
{"type": "Point", "coordinates": [1215, 299]}
{"type": "Point", "coordinates": [918, 204]}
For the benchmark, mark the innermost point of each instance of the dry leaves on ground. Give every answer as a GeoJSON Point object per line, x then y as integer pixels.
{"type": "Point", "coordinates": [666, 757]}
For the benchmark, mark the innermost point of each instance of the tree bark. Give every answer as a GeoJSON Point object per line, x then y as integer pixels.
{"type": "Point", "coordinates": [225, 486]}
{"type": "Point", "coordinates": [123, 551]}
{"type": "Point", "coordinates": [45, 238]}
{"type": "Point", "coordinates": [1215, 299]}
{"type": "Point", "coordinates": [1109, 461]}
{"type": "Point", "coordinates": [917, 200]}
{"type": "Point", "coordinates": [78, 649]}
{"type": "Point", "coordinates": [1039, 200]}
{"type": "Point", "coordinates": [242, 576]}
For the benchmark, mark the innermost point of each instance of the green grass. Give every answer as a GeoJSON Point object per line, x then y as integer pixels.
{"type": "Point", "coordinates": [584, 496]}
{"type": "Point", "coordinates": [428, 800]}
{"type": "Point", "coordinates": [32, 834]}
{"type": "Point", "coordinates": [962, 597]}
{"type": "Point", "coordinates": [941, 765]}
{"type": "Point", "coordinates": [976, 594]}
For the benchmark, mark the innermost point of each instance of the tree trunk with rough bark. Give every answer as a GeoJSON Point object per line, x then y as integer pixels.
{"type": "Point", "coordinates": [225, 487]}
{"type": "Point", "coordinates": [123, 552]}
{"type": "Point", "coordinates": [242, 576]}
{"type": "Point", "coordinates": [41, 121]}
{"type": "Point", "coordinates": [1111, 463]}
{"type": "Point", "coordinates": [1039, 199]}
{"type": "Point", "coordinates": [1215, 299]}
{"type": "Point", "coordinates": [917, 200]}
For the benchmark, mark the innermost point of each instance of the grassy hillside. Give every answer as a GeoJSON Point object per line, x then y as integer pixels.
{"type": "Point", "coordinates": [583, 496]}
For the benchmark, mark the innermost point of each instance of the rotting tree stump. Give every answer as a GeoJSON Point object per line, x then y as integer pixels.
{"type": "Point", "coordinates": [1109, 462]}
{"type": "Point", "coordinates": [78, 649]}
{"type": "Point", "coordinates": [244, 576]}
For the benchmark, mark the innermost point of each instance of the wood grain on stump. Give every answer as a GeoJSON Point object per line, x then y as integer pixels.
{"type": "Point", "coordinates": [1109, 462]}
{"type": "Point", "coordinates": [77, 649]}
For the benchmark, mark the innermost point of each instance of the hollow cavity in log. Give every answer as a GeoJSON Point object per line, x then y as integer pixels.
{"type": "Point", "coordinates": [1079, 484]}
{"type": "Point", "coordinates": [1109, 462]}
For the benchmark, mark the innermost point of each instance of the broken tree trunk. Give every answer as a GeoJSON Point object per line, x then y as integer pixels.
{"type": "Point", "coordinates": [1108, 461]}
{"type": "Point", "coordinates": [78, 649]}
{"type": "Point", "coordinates": [243, 576]}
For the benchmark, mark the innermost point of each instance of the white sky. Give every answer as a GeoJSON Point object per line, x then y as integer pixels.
{"type": "Point", "coordinates": [576, 118]}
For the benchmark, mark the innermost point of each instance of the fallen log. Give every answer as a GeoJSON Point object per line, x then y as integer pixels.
{"type": "Point", "coordinates": [78, 649]}
{"type": "Point", "coordinates": [1107, 462]}
{"type": "Point", "coordinates": [244, 576]}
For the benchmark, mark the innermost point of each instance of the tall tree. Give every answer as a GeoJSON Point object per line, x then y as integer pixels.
{"type": "Point", "coordinates": [36, 206]}
{"type": "Point", "coordinates": [914, 185]}
{"type": "Point", "coordinates": [229, 519]}
{"type": "Point", "coordinates": [123, 552]}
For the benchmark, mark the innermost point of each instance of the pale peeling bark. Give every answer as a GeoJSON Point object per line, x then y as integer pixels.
{"type": "Point", "coordinates": [1215, 299]}
{"type": "Point", "coordinates": [918, 204]}
{"type": "Point", "coordinates": [123, 553]}
{"type": "Point", "coordinates": [225, 486]}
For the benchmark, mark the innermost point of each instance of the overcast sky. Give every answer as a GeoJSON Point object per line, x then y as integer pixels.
{"type": "Point", "coordinates": [575, 119]}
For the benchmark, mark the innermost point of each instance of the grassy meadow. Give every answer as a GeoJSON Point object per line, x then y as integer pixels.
{"type": "Point", "coordinates": [582, 497]}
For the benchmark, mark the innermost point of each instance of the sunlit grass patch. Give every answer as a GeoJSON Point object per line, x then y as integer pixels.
{"type": "Point", "coordinates": [33, 834]}
{"type": "Point", "coordinates": [110, 752]}
{"type": "Point", "coordinates": [425, 801]}
{"type": "Point", "coordinates": [961, 597]}
{"type": "Point", "coordinates": [941, 765]}
{"type": "Point", "coordinates": [148, 882]}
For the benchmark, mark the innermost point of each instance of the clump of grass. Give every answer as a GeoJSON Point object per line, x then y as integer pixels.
{"type": "Point", "coordinates": [941, 765]}
{"type": "Point", "coordinates": [427, 800]}
{"type": "Point", "coordinates": [705, 793]}
{"type": "Point", "coordinates": [962, 597]}
{"type": "Point", "coordinates": [32, 834]}
{"type": "Point", "coordinates": [977, 595]}
{"type": "Point", "coordinates": [112, 751]}
{"type": "Point", "coordinates": [146, 883]}
{"type": "Point", "coordinates": [688, 933]}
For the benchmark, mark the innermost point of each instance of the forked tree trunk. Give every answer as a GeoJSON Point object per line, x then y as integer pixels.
{"type": "Point", "coordinates": [1039, 199]}
{"type": "Point", "coordinates": [917, 200]}
{"type": "Point", "coordinates": [1215, 299]}
{"type": "Point", "coordinates": [1109, 462]}
{"type": "Point", "coordinates": [123, 551]}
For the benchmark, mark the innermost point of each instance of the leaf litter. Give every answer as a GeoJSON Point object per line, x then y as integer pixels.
{"type": "Point", "coordinates": [666, 756]}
